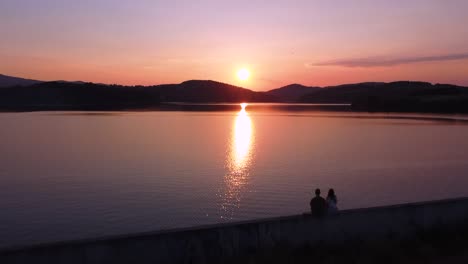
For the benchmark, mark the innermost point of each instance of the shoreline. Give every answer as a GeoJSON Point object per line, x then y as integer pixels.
{"type": "Point", "coordinates": [450, 118]}
{"type": "Point", "coordinates": [220, 106]}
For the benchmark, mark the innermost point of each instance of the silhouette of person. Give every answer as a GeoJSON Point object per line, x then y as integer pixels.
{"type": "Point", "coordinates": [332, 202]}
{"type": "Point", "coordinates": [318, 205]}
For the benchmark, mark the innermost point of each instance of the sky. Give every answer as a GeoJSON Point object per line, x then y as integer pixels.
{"type": "Point", "coordinates": [312, 42]}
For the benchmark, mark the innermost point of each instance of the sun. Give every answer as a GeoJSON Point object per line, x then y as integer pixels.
{"type": "Point", "coordinates": [243, 74]}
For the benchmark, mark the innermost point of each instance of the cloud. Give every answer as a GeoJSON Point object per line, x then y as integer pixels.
{"type": "Point", "coordinates": [387, 61]}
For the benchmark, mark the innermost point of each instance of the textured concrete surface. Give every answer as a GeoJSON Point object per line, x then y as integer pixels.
{"type": "Point", "coordinates": [217, 242]}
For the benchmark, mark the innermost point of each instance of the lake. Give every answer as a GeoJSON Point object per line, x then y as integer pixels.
{"type": "Point", "coordinates": [73, 175]}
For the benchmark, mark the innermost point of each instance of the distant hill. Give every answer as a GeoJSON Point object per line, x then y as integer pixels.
{"type": "Point", "coordinates": [349, 93]}
{"type": "Point", "coordinates": [209, 91]}
{"type": "Point", "coordinates": [61, 95]}
{"type": "Point", "coordinates": [402, 96]}
{"type": "Point", "coordinates": [345, 93]}
{"type": "Point", "coordinates": [292, 92]}
{"type": "Point", "coordinates": [75, 96]}
{"type": "Point", "coordinates": [6, 81]}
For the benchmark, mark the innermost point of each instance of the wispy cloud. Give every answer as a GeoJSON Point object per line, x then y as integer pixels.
{"type": "Point", "coordinates": [387, 61]}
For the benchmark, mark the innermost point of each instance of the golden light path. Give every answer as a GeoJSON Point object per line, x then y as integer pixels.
{"type": "Point", "coordinates": [241, 139]}
{"type": "Point", "coordinates": [238, 162]}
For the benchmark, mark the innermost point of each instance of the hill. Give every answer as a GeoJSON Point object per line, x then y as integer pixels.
{"type": "Point", "coordinates": [60, 95]}
{"type": "Point", "coordinates": [292, 92]}
{"type": "Point", "coordinates": [210, 91]}
{"type": "Point", "coordinates": [6, 81]}
{"type": "Point", "coordinates": [402, 96]}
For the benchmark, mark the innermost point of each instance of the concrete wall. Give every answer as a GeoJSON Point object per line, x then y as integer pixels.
{"type": "Point", "coordinates": [214, 243]}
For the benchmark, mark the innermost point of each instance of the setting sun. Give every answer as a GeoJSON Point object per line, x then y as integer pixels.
{"type": "Point", "coordinates": [243, 74]}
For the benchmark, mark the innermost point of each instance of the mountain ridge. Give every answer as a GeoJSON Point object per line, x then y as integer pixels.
{"type": "Point", "coordinates": [292, 92]}
{"type": "Point", "coordinates": [6, 81]}
{"type": "Point", "coordinates": [396, 96]}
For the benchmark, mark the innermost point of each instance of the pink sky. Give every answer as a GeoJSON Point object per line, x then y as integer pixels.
{"type": "Point", "coordinates": [281, 42]}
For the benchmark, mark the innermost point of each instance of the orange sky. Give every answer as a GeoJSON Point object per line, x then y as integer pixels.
{"type": "Point", "coordinates": [280, 42]}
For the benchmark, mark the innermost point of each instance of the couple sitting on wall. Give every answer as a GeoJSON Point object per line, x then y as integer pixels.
{"type": "Point", "coordinates": [319, 206]}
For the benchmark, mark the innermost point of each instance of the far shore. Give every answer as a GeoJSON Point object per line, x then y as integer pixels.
{"type": "Point", "coordinates": [233, 106]}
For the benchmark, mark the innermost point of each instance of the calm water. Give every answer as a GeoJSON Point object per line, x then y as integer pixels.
{"type": "Point", "coordinates": [69, 175]}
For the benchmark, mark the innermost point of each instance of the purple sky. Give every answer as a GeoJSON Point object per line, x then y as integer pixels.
{"type": "Point", "coordinates": [280, 42]}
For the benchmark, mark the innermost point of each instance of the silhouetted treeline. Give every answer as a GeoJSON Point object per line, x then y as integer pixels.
{"type": "Point", "coordinates": [292, 93]}
{"type": "Point", "coordinates": [395, 97]}
{"type": "Point", "coordinates": [76, 96]}
{"type": "Point", "coordinates": [90, 96]}
{"type": "Point", "coordinates": [401, 96]}
{"type": "Point", "coordinates": [196, 91]}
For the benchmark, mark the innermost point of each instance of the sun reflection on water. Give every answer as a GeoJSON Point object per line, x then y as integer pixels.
{"type": "Point", "coordinates": [238, 163]}
{"type": "Point", "coordinates": [241, 141]}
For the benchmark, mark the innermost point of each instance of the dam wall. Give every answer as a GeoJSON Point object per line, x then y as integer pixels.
{"type": "Point", "coordinates": [215, 243]}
